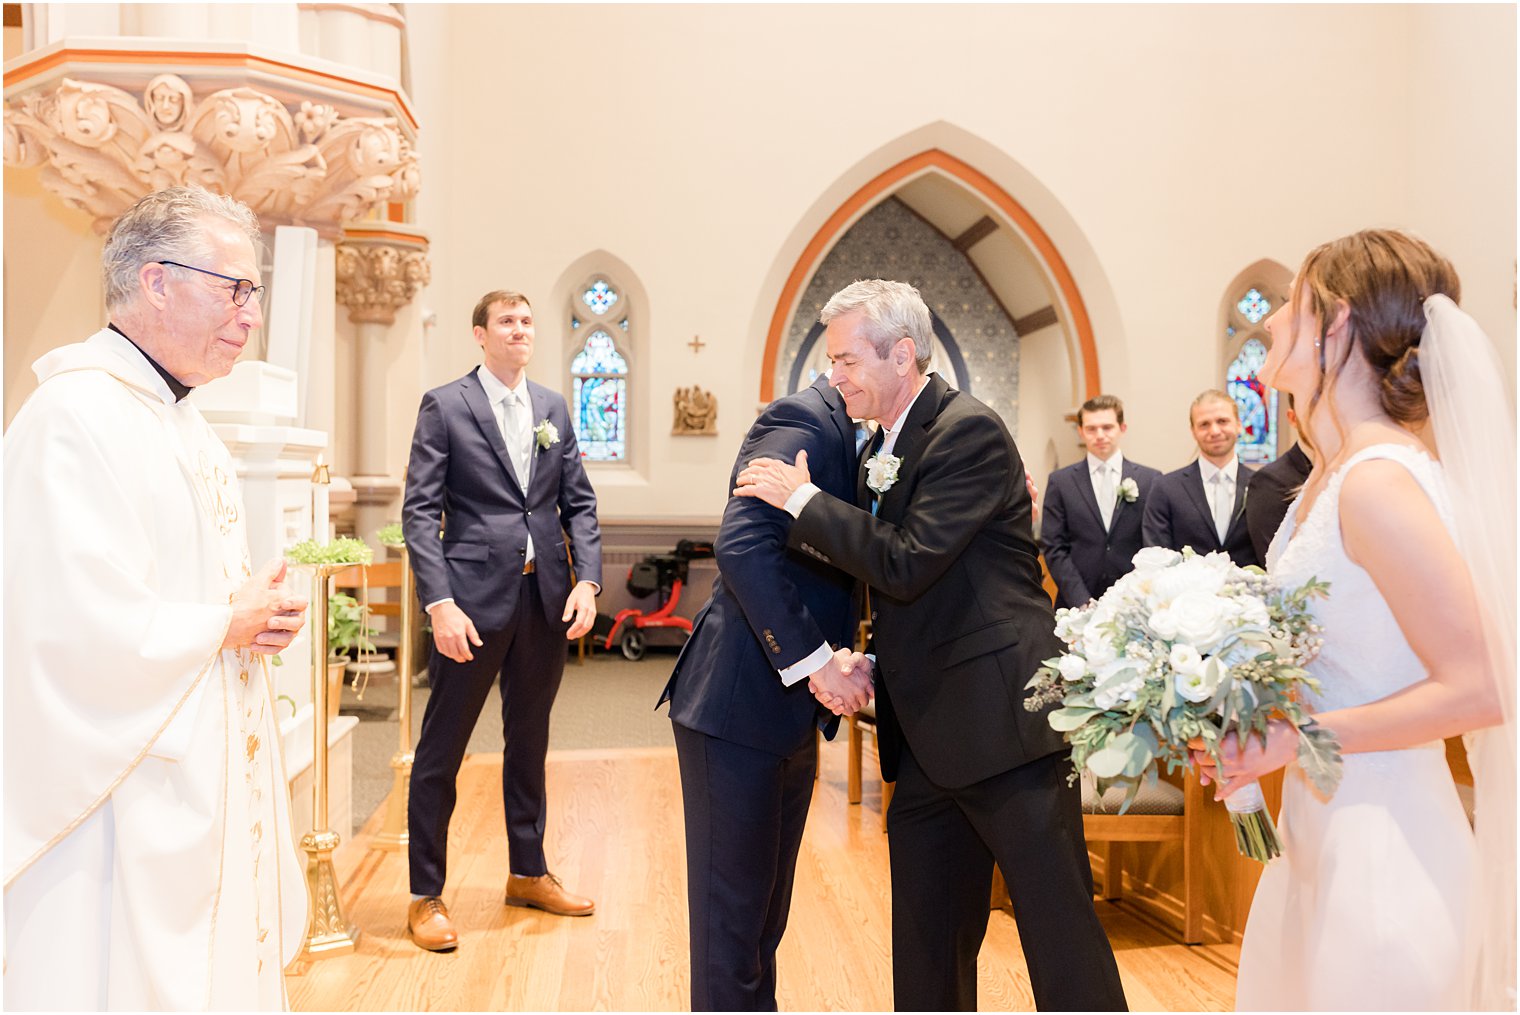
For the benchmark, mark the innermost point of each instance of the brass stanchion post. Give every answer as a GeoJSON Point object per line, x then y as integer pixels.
{"type": "Point", "coordinates": [330, 932]}
{"type": "Point", "coordinates": [393, 834]}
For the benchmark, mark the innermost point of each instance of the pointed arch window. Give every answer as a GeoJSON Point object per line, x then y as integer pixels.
{"type": "Point", "coordinates": [599, 373]}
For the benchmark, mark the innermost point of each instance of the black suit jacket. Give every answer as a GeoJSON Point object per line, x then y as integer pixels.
{"type": "Point", "coordinates": [1083, 557]}
{"type": "Point", "coordinates": [960, 619]}
{"type": "Point", "coordinates": [1272, 489]}
{"type": "Point", "coordinates": [460, 479]}
{"type": "Point", "coordinates": [1177, 515]}
{"type": "Point", "coordinates": [770, 606]}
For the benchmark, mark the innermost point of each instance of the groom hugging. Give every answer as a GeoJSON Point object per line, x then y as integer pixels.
{"type": "Point", "coordinates": [942, 540]}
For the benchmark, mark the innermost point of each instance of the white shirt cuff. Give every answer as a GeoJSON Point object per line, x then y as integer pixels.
{"type": "Point", "coordinates": [799, 499]}
{"type": "Point", "coordinates": [429, 607]}
{"type": "Point", "coordinates": [800, 671]}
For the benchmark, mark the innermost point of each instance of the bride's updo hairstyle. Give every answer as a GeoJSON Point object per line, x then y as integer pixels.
{"type": "Point", "coordinates": [1384, 277]}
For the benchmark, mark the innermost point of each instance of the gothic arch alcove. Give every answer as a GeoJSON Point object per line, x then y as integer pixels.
{"type": "Point", "coordinates": [1024, 324]}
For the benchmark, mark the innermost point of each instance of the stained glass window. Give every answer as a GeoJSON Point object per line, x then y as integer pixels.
{"type": "Point", "coordinates": [599, 375]}
{"type": "Point", "coordinates": [1257, 404]}
{"type": "Point", "coordinates": [600, 297]}
{"type": "Point", "coordinates": [1253, 306]}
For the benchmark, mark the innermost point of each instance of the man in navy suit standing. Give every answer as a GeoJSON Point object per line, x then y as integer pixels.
{"type": "Point", "coordinates": [1202, 505]}
{"type": "Point", "coordinates": [1091, 527]}
{"type": "Point", "coordinates": [743, 713]}
{"type": "Point", "coordinates": [495, 466]}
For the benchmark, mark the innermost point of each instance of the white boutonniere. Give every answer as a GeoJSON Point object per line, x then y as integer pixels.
{"type": "Point", "coordinates": [545, 434]}
{"type": "Point", "coordinates": [1129, 491]}
{"type": "Point", "coordinates": [881, 472]}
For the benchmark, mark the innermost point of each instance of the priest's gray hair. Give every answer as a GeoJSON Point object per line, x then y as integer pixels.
{"type": "Point", "coordinates": [167, 225]}
{"type": "Point", "coordinates": [891, 311]}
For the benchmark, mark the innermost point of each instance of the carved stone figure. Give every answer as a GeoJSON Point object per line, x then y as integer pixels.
{"type": "Point", "coordinates": [696, 412]}
{"type": "Point", "coordinates": [102, 149]}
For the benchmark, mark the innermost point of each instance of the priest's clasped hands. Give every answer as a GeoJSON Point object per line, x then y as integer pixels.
{"type": "Point", "coordinates": [265, 614]}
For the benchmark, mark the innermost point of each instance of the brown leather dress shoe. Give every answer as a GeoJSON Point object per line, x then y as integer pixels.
{"type": "Point", "coordinates": [547, 893]}
{"type": "Point", "coordinates": [428, 920]}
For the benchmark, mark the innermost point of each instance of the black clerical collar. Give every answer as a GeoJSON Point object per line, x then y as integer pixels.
{"type": "Point", "coordinates": [175, 387]}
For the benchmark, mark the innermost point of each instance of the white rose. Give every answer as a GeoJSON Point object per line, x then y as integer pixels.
{"type": "Point", "coordinates": [1202, 619]}
{"type": "Point", "coordinates": [1162, 624]}
{"type": "Point", "coordinates": [1154, 558]}
{"type": "Point", "coordinates": [1185, 659]}
{"type": "Point", "coordinates": [1254, 612]}
{"type": "Point", "coordinates": [1073, 668]}
{"type": "Point", "coordinates": [1192, 575]}
{"type": "Point", "coordinates": [1098, 647]}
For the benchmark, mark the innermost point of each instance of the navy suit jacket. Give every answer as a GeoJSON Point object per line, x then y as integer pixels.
{"type": "Point", "coordinates": [460, 480]}
{"type": "Point", "coordinates": [1177, 515]}
{"type": "Point", "coordinates": [1083, 557]}
{"type": "Point", "coordinates": [770, 606]}
{"type": "Point", "coordinates": [1272, 489]}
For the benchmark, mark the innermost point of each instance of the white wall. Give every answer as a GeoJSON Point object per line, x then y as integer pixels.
{"type": "Point", "coordinates": [1164, 149]}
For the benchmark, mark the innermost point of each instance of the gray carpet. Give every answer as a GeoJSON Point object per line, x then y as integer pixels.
{"type": "Point", "coordinates": [605, 702]}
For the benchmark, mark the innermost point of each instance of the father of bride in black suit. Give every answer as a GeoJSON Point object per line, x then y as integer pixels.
{"type": "Point", "coordinates": [744, 715]}
{"type": "Point", "coordinates": [944, 544]}
{"type": "Point", "coordinates": [1202, 505]}
{"type": "Point", "coordinates": [1091, 528]}
{"type": "Point", "coordinates": [495, 466]}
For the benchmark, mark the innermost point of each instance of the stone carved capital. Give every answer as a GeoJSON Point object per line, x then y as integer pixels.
{"type": "Point", "coordinates": [380, 274]}
{"type": "Point", "coordinates": [103, 148]}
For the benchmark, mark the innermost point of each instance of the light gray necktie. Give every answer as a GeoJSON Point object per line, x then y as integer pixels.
{"type": "Point", "coordinates": [512, 432]}
{"type": "Point", "coordinates": [1224, 501]}
{"type": "Point", "coordinates": [1106, 494]}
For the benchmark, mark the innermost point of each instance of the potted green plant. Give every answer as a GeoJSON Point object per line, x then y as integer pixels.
{"type": "Point", "coordinates": [346, 634]}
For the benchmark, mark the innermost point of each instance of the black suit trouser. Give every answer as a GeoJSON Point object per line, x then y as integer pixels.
{"type": "Point", "coordinates": [528, 656]}
{"type": "Point", "coordinates": [745, 810]}
{"type": "Point", "coordinates": [943, 843]}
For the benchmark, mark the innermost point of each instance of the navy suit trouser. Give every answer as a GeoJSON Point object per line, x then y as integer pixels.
{"type": "Point", "coordinates": [745, 810]}
{"type": "Point", "coordinates": [528, 657]}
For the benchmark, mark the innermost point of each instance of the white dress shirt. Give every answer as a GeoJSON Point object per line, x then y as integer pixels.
{"type": "Point", "coordinates": [1220, 492]}
{"type": "Point", "coordinates": [1106, 487]}
{"type": "Point", "coordinates": [819, 657]}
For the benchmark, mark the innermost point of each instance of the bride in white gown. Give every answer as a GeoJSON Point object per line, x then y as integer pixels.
{"type": "Point", "coordinates": [1385, 898]}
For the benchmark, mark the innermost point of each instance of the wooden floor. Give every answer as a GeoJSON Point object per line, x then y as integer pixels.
{"type": "Point", "coordinates": [615, 834]}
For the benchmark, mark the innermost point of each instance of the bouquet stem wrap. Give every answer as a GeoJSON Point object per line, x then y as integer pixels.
{"type": "Point", "coordinates": [1255, 834]}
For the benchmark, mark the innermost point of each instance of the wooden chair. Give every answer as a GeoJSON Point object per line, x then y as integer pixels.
{"type": "Point", "coordinates": [1161, 813]}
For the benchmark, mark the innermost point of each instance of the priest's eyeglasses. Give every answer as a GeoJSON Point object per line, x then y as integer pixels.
{"type": "Point", "coordinates": [242, 288]}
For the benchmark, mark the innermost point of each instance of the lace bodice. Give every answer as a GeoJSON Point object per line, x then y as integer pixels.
{"type": "Point", "coordinates": [1365, 655]}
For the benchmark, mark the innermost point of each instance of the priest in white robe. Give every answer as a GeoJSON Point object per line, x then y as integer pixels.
{"type": "Point", "coordinates": [148, 857]}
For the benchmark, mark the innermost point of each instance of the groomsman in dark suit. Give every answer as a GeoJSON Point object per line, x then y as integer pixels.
{"type": "Point", "coordinates": [495, 466]}
{"type": "Point", "coordinates": [1091, 529]}
{"type": "Point", "coordinates": [1202, 505]}
{"type": "Point", "coordinates": [744, 716]}
{"type": "Point", "coordinates": [1273, 488]}
{"type": "Point", "coordinates": [960, 622]}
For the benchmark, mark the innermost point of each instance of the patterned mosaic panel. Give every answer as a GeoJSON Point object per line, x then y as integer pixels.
{"type": "Point", "coordinates": [892, 242]}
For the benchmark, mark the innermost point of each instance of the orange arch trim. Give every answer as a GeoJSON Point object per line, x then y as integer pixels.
{"type": "Point", "coordinates": [883, 184]}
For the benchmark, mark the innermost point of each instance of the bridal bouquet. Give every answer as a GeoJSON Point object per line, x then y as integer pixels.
{"type": "Point", "coordinates": [1187, 647]}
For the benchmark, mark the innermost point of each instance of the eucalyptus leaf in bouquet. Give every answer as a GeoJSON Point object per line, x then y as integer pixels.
{"type": "Point", "coordinates": [1187, 647]}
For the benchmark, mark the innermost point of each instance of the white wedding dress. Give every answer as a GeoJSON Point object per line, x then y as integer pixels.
{"type": "Point", "coordinates": [1367, 907]}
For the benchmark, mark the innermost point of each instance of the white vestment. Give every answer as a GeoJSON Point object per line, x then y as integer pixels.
{"type": "Point", "coordinates": [148, 855]}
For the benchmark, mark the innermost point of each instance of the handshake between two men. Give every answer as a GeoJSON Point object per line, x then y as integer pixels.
{"type": "Point", "coordinates": [844, 685]}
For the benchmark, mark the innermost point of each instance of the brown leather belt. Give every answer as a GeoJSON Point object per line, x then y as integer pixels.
{"type": "Point", "coordinates": [530, 567]}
